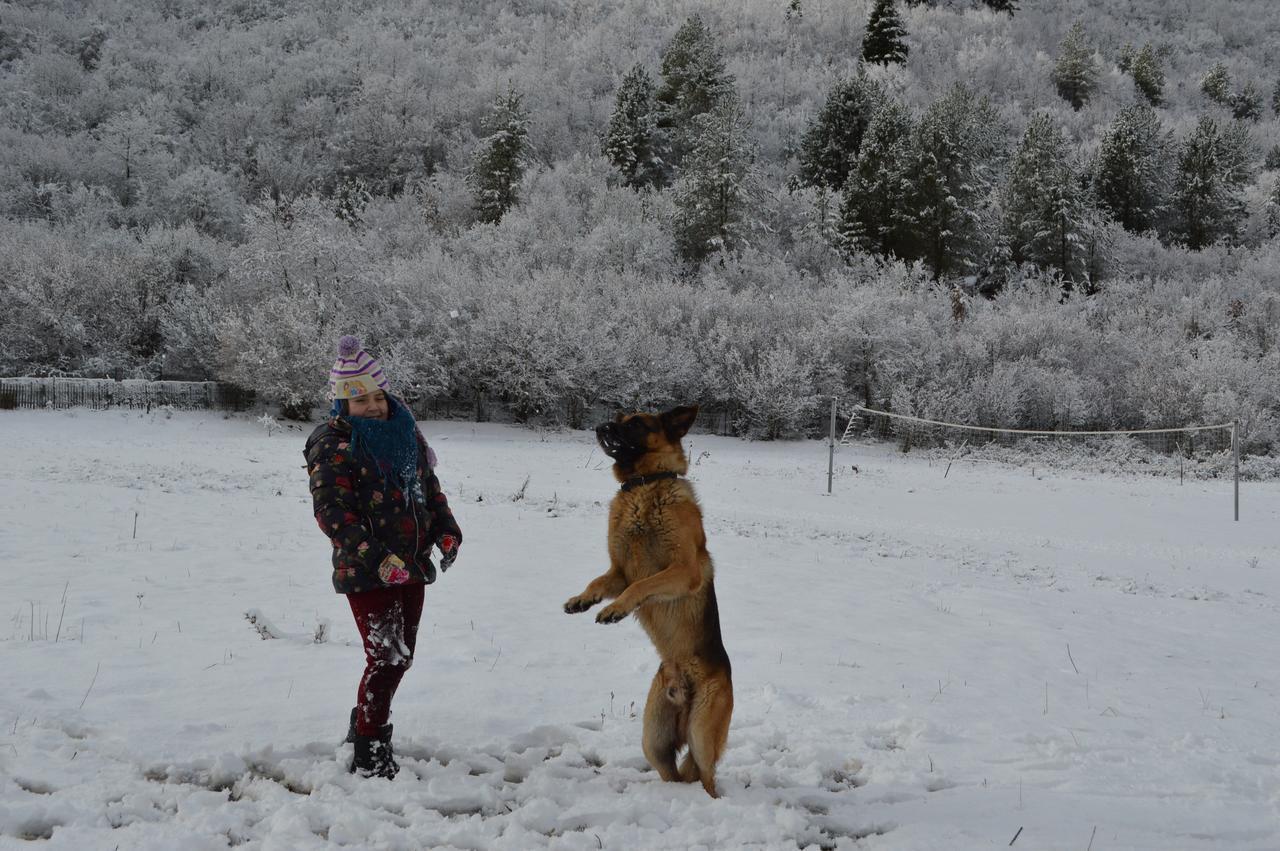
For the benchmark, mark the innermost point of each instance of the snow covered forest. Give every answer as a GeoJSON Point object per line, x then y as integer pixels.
{"type": "Point", "coordinates": [1036, 214]}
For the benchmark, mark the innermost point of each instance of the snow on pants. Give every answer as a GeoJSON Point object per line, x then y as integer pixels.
{"type": "Point", "coordinates": [388, 622]}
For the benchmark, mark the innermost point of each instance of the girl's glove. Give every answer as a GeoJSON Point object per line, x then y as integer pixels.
{"type": "Point", "coordinates": [448, 551]}
{"type": "Point", "coordinates": [392, 570]}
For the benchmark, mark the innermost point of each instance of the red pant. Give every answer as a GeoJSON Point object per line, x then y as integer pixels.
{"type": "Point", "coordinates": [388, 622]}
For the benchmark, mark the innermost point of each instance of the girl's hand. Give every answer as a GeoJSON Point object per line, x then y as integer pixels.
{"type": "Point", "coordinates": [392, 570]}
{"type": "Point", "coordinates": [448, 551]}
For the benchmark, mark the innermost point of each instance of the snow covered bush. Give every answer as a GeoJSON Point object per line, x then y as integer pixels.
{"type": "Point", "coordinates": [282, 347]}
{"type": "Point", "coordinates": [774, 388]}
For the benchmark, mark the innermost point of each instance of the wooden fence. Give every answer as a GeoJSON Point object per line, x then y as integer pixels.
{"type": "Point", "coordinates": [106, 393]}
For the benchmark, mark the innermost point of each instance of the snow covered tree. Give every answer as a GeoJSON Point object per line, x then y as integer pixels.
{"type": "Point", "coordinates": [499, 162]}
{"type": "Point", "coordinates": [300, 247]}
{"type": "Point", "coordinates": [281, 348]}
{"type": "Point", "coordinates": [830, 145]}
{"type": "Point", "coordinates": [775, 389]}
{"type": "Point", "coordinates": [884, 41]}
{"type": "Point", "coordinates": [875, 205]}
{"type": "Point", "coordinates": [694, 82]}
{"type": "Point", "coordinates": [717, 187]}
{"type": "Point", "coordinates": [1216, 85]}
{"type": "Point", "coordinates": [631, 141]}
{"type": "Point", "coordinates": [1246, 104]}
{"type": "Point", "coordinates": [1009, 6]}
{"type": "Point", "coordinates": [1125, 57]}
{"type": "Point", "coordinates": [206, 198]}
{"type": "Point", "coordinates": [1272, 160]}
{"type": "Point", "coordinates": [1238, 155]}
{"type": "Point", "coordinates": [89, 49]}
{"type": "Point", "coordinates": [1075, 74]}
{"type": "Point", "coordinates": [1273, 210]}
{"type": "Point", "coordinates": [1130, 180]}
{"type": "Point", "coordinates": [1044, 211]}
{"type": "Point", "coordinates": [350, 200]}
{"type": "Point", "coordinates": [1275, 98]}
{"type": "Point", "coordinates": [1148, 74]}
{"type": "Point", "coordinates": [957, 143]}
{"type": "Point", "coordinates": [1209, 178]}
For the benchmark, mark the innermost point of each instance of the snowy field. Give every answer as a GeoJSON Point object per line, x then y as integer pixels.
{"type": "Point", "coordinates": [919, 662]}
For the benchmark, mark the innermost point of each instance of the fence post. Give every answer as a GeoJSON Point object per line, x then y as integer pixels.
{"type": "Point", "coordinates": [831, 446]}
{"type": "Point", "coordinates": [1235, 460]}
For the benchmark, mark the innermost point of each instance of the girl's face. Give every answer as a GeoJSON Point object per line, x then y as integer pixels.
{"type": "Point", "coordinates": [371, 406]}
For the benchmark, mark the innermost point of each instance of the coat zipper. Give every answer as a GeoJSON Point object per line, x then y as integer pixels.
{"type": "Point", "coordinates": [417, 532]}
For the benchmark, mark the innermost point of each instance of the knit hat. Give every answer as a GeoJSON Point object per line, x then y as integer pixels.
{"type": "Point", "coordinates": [355, 372]}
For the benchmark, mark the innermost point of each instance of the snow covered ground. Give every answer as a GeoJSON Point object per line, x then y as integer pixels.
{"type": "Point", "coordinates": [919, 662]}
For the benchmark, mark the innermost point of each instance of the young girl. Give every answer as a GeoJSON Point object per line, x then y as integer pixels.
{"type": "Point", "coordinates": [376, 497]}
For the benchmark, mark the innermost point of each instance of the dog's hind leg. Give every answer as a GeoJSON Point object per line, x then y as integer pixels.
{"type": "Point", "coordinates": [663, 735]}
{"type": "Point", "coordinates": [689, 769]}
{"type": "Point", "coordinates": [708, 731]}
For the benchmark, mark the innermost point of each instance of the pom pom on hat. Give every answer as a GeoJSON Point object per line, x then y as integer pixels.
{"type": "Point", "coordinates": [348, 345]}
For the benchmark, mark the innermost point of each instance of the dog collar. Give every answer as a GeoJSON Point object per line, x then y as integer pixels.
{"type": "Point", "coordinates": [637, 481]}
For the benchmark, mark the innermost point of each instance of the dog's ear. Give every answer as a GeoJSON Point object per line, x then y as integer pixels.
{"type": "Point", "coordinates": [678, 421]}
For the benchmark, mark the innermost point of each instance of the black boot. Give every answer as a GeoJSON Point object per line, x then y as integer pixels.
{"type": "Point", "coordinates": [374, 757]}
{"type": "Point", "coordinates": [351, 728]}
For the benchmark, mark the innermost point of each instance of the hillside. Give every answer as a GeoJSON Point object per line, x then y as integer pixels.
{"type": "Point", "coordinates": [199, 190]}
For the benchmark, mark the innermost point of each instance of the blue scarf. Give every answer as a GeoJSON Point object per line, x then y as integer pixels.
{"type": "Point", "coordinates": [391, 444]}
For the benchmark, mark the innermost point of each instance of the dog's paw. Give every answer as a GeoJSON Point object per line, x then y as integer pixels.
{"type": "Point", "coordinates": [611, 614]}
{"type": "Point", "coordinates": [580, 604]}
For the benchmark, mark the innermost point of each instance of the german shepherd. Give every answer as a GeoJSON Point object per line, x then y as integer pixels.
{"type": "Point", "coordinates": [659, 568]}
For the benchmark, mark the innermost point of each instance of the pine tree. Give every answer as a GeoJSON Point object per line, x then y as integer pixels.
{"type": "Point", "coordinates": [351, 199]}
{"type": "Point", "coordinates": [1130, 180]}
{"type": "Point", "coordinates": [1045, 218]}
{"type": "Point", "coordinates": [831, 143]}
{"type": "Point", "coordinates": [1271, 162]}
{"type": "Point", "coordinates": [1075, 73]}
{"type": "Point", "coordinates": [1246, 104]}
{"type": "Point", "coordinates": [1273, 211]}
{"type": "Point", "coordinates": [1009, 6]}
{"type": "Point", "coordinates": [1216, 85]}
{"type": "Point", "coordinates": [955, 148]}
{"type": "Point", "coordinates": [1212, 168]}
{"type": "Point", "coordinates": [884, 40]}
{"type": "Point", "coordinates": [717, 186]}
{"type": "Point", "coordinates": [631, 140]}
{"type": "Point", "coordinates": [1125, 58]}
{"type": "Point", "coordinates": [694, 82]}
{"type": "Point", "coordinates": [1237, 155]}
{"type": "Point", "coordinates": [1148, 75]}
{"type": "Point", "coordinates": [499, 162]}
{"type": "Point", "coordinates": [875, 205]}
{"type": "Point", "coordinates": [90, 52]}
{"type": "Point", "coordinates": [1199, 195]}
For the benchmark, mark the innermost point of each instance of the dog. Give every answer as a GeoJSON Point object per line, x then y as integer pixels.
{"type": "Point", "coordinates": [660, 570]}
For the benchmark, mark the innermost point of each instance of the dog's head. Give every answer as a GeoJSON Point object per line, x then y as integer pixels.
{"type": "Point", "coordinates": [647, 443]}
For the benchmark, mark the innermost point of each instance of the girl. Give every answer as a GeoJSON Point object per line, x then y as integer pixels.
{"type": "Point", "coordinates": [376, 496]}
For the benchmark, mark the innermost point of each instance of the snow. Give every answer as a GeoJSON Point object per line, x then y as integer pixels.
{"type": "Point", "coordinates": [919, 662]}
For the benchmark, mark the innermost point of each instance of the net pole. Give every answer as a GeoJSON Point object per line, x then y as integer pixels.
{"type": "Point", "coordinates": [831, 446]}
{"type": "Point", "coordinates": [1235, 461]}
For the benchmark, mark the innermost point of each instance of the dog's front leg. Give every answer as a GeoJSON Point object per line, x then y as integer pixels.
{"type": "Point", "coordinates": [678, 580]}
{"type": "Point", "coordinates": [605, 586]}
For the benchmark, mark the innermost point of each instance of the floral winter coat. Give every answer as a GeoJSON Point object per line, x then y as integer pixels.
{"type": "Point", "coordinates": [367, 518]}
